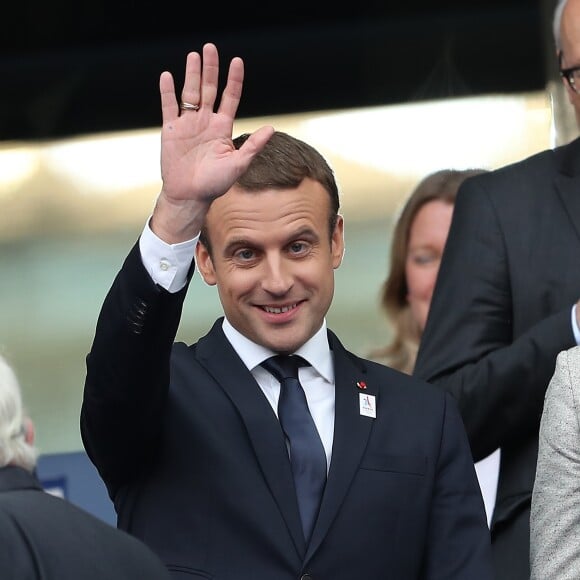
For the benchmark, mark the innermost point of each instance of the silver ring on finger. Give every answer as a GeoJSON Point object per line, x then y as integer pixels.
{"type": "Point", "coordinates": [185, 106]}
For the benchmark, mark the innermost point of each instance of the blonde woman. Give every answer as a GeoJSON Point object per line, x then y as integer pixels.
{"type": "Point", "coordinates": [416, 248]}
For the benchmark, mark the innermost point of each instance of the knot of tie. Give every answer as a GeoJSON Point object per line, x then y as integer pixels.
{"type": "Point", "coordinates": [284, 366]}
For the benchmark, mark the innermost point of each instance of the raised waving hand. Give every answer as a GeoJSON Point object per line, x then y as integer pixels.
{"type": "Point", "coordinates": [198, 159]}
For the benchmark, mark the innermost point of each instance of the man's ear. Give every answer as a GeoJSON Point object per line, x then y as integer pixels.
{"type": "Point", "coordinates": [204, 264]}
{"type": "Point", "coordinates": [29, 433]}
{"type": "Point", "coordinates": [337, 242]}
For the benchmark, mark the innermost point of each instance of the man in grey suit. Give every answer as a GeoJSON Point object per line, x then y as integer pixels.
{"type": "Point", "coordinates": [504, 306]}
{"type": "Point", "coordinates": [43, 537]}
{"type": "Point", "coordinates": [232, 465]}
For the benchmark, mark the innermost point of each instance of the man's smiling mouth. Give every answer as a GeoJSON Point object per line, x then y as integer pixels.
{"type": "Point", "coordinates": [279, 309]}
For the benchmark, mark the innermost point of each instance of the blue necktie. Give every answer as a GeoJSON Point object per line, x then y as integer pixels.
{"type": "Point", "coordinates": [307, 454]}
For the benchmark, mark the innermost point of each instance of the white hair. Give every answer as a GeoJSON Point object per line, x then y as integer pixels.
{"type": "Point", "coordinates": [557, 23]}
{"type": "Point", "coordinates": [14, 449]}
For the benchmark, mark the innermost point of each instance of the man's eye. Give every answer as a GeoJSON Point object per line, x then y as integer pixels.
{"type": "Point", "coordinates": [298, 247]}
{"type": "Point", "coordinates": [244, 254]}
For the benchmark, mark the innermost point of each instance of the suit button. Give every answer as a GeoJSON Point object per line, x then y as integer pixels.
{"type": "Point", "coordinates": [306, 577]}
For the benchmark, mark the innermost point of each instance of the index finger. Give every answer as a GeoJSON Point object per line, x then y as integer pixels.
{"type": "Point", "coordinates": [232, 92]}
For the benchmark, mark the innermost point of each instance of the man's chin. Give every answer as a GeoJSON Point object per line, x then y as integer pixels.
{"type": "Point", "coordinates": [284, 341]}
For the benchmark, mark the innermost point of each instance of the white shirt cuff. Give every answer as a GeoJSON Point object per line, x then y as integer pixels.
{"type": "Point", "coordinates": [167, 264]}
{"type": "Point", "coordinates": [575, 328]}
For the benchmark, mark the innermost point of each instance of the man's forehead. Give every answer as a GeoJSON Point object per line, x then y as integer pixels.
{"type": "Point", "coordinates": [242, 213]}
{"type": "Point", "coordinates": [570, 26]}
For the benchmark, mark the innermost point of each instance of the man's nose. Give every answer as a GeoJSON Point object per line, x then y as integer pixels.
{"type": "Point", "coordinates": [277, 276]}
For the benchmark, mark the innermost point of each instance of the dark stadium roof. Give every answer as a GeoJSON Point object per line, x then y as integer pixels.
{"type": "Point", "coordinates": [70, 68]}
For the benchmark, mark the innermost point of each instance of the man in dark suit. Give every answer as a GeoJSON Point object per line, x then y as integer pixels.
{"type": "Point", "coordinates": [504, 306]}
{"type": "Point", "coordinates": [203, 448]}
{"type": "Point", "coordinates": [43, 537]}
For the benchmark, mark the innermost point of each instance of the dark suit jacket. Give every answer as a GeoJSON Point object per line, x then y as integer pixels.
{"type": "Point", "coordinates": [196, 463]}
{"type": "Point", "coordinates": [500, 314]}
{"type": "Point", "coordinates": [47, 538]}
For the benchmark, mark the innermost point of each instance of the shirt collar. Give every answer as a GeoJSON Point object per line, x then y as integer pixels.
{"type": "Point", "coordinates": [316, 350]}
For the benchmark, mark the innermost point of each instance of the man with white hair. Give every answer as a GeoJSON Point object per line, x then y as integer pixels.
{"type": "Point", "coordinates": [566, 28]}
{"type": "Point", "coordinates": [555, 515]}
{"type": "Point", "coordinates": [43, 537]}
{"type": "Point", "coordinates": [506, 303]}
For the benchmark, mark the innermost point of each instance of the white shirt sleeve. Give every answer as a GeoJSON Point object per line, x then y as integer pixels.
{"type": "Point", "coordinates": [167, 264]}
{"type": "Point", "coordinates": [575, 328]}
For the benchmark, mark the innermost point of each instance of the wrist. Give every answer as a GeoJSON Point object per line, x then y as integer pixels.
{"type": "Point", "coordinates": [176, 221]}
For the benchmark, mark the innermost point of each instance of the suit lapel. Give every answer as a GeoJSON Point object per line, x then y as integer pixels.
{"type": "Point", "coordinates": [351, 433]}
{"type": "Point", "coordinates": [221, 361]}
{"type": "Point", "coordinates": [568, 180]}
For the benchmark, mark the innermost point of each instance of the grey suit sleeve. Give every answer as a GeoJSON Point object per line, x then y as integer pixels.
{"type": "Point", "coordinates": [555, 511]}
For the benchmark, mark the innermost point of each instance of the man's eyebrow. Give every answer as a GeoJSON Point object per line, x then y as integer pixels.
{"type": "Point", "coordinates": [306, 231]}
{"type": "Point", "coordinates": [238, 243]}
